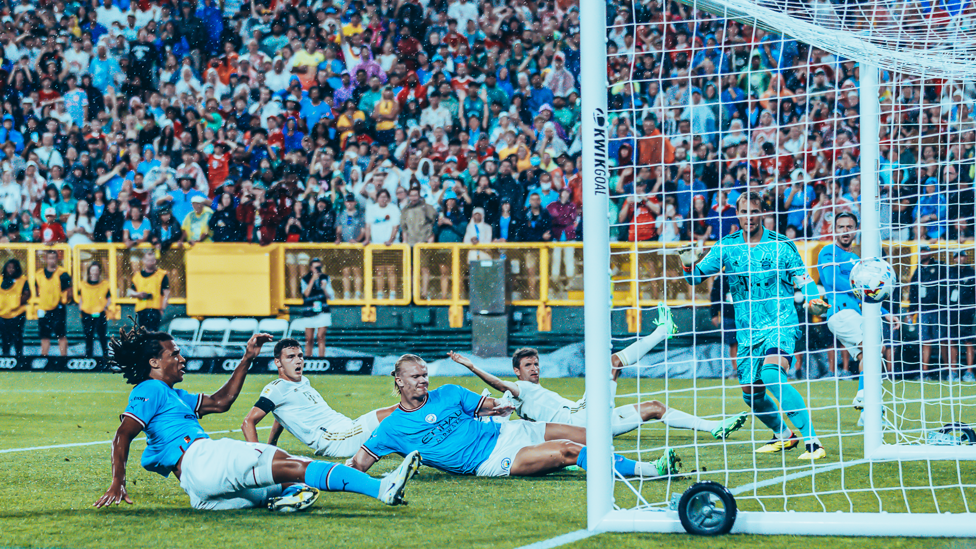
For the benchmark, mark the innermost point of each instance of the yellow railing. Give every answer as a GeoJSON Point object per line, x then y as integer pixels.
{"type": "Point", "coordinates": [541, 275]}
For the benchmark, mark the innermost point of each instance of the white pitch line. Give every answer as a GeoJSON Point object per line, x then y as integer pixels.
{"type": "Point", "coordinates": [798, 475]}
{"type": "Point", "coordinates": [561, 540]}
{"type": "Point", "coordinates": [77, 444]}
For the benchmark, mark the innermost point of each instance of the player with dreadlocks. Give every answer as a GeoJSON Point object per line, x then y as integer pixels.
{"type": "Point", "coordinates": [217, 474]}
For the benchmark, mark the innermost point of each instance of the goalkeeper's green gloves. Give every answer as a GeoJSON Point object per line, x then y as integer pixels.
{"type": "Point", "coordinates": [817, 306]}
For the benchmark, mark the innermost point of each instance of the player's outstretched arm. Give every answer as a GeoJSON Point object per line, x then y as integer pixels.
{"type": "Point", "coordinates": [495, 407]}
{"type": "Point", "coordinates": [250, 425]}
{"type": "Point", "coordinates": [276, 430]}
{"type": "Point", "coordinates": [695, 271]}
{"type": "Point", "coordinates": [492, 381]}
{"type": "Point", "coordinates": [362, 461]}
{"type": "Point", "coordinates": [116, 493]}
{"type": "Point", "coordinates": [222, 400]}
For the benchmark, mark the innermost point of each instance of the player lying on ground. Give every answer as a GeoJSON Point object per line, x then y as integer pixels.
{"type": "Point", "coordinates": [835, 263]}
{"type": "Point", "coordinates": [217, 474]}
{"type": "Point", "coordinates": [302, 410]}
{"type": "Point", "coordinates": [534, 402]}
{"type": "Point", "coordinates": [442, 424]}
{"type": "Point", "coordinates": [763, 268]}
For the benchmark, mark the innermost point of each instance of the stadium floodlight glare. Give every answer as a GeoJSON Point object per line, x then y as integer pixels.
{"type": "Point", "coordinates": [897, 46]}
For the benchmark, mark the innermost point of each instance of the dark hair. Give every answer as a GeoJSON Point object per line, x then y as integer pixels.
{"type": "Point", "coordinates": [18, 269]}
{"type": "Point", "coordinates": [407, 358]}
{"type": "Point", "coordinates": [285, 343]}
{"type": "Point", "coordinates": [383, 191]}
{"type": "Point", "coordinates": [524, 352]}
{"type": "Point", "coordinates": [93, 264]}
{"type": "Point", "coordinates": [130, 353]}
{"type": "Point", "coordinates": [751, 196]}
{"type": "Point", "coordinates": [849, 215]}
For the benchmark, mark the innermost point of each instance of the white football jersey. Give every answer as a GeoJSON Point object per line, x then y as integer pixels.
{"type": "Point", "coordinates": [536, 403]}
{"type": "Point", "coordinates": [301, 410]}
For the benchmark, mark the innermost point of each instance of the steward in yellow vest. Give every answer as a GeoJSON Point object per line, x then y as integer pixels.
{"type": "Point", "coordinates": [95, 299]}
{"type": "Point", "coordinates": [151, 287]}
{"type": "Point", "coordinates": [14, 295]}
{"type": "Point", "coordinates": [53, 290]}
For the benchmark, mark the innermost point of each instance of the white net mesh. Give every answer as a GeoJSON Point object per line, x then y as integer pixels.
{"type": "Point", "coordinates": [707, 105]}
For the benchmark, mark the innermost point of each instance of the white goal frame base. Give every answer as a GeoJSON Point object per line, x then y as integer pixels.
{"type": "Point", "coordinates": [802, 524]}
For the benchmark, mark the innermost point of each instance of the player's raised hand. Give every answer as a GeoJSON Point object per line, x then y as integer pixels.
{"type": "Point", "coordinates": [690, 256]}
{"type": "Point", "coordinates": [818, 306]}
{"type": "Point", "coordinates": [502, 407]}
{"type": "Point", "coordinates": [116, 494]}
{"type": "Point", "coordinates": [256, 342]}
{"type": "Point", "coordinates": [463, 361]}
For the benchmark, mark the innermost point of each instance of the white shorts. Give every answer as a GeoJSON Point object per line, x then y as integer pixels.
{"type": "Point", "coordinates": [228, 474]}
{"type": "Point", "coordinates": [624, 418]}
{"type": "Point", "coordinates": [345, 439]}
{"type": "Point", "coordinates": [847, 327]}
{"type": "Point", "coordinates": [514, 436]}
{"type": "Point", "coordinates": [321, 320]}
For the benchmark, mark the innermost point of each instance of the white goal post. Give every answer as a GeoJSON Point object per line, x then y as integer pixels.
{"type": "Point", "coordinates": [602, 512]}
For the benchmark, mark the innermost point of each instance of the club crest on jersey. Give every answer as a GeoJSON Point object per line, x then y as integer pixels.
{"type": "Point", "coordinates": [431, 418]}
{"type": "Point", "coordinates": [506, 463]}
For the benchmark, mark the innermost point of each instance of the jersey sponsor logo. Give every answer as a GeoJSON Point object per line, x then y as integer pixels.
{"type": "Point", "coordinates": [8, 363]}
{"type": "Point", "coordinates": [506, 464]}
{"type": "Point", "coordinates": [82, 364]}
{"type": "Point", "coordinates": [431, 418]}
{"type": "Point", "coordinates": [443, 429]}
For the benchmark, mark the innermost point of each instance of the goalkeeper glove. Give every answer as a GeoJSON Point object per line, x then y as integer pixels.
{"type": "Point", "coordinates": [818, 306]}
{"type": "Point", "coordinates": [690, 256]}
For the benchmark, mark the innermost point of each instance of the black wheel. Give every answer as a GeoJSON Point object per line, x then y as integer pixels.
{"type": "Point", "coordinates": [707, 509]}
{"type": "Point", "coordinates": [963, 432]}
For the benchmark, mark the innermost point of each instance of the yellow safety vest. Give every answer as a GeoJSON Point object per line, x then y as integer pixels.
{"type": "Point", "coordinates": [10, 302]}
{"type": "Point", "coordinates": [153, 285]}
{"type": "Point", "coordinates": [49, 292]}
{"type": "Point", "coordinates": [94, 297]}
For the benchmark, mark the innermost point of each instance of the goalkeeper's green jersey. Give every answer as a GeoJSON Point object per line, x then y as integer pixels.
{"type": "Point", "coordinates": [762, 279]}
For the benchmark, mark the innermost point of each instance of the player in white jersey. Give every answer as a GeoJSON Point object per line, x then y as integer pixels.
{"type": "Point", "coordinates": [534, 402]}
{"type": "Point", "coordinates": [300, 409]}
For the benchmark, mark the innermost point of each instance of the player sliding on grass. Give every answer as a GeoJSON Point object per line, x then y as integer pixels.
{"type": "Point", "coordinates": [302, 410]}
{"type": "Point", "coordinates": [442, 424]}
{"type": "Point", "coordinates": [763, 268]}
{"type": "Point", "coordinates": [217, 474]}
{"type": "Point", "coordinates": [534, 402]}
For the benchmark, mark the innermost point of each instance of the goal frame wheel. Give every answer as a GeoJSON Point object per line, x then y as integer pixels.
{"type": "Point", "coordinates": [697, 505]}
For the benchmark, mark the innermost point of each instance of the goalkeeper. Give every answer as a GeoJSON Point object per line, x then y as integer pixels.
{"type": "Point", "coordinates": [763, 268]}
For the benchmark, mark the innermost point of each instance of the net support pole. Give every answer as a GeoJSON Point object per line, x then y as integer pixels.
{"type": "Point", "coordinates": [596, 260]}
{"type": "Point", "coordinates": [871, 247]}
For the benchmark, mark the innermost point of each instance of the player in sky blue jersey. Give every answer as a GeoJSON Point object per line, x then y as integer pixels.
{"type": "Point", "coordinates": [442, 424]}
{"type": "Point", "coordinates": [835, 263]}
{"type": "Point", "coordinates": [217, 474]}
{"type": "Point", "coordinates": [763, 269]}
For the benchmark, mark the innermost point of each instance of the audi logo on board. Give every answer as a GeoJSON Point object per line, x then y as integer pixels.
{"type": "Point", "coordinates": [82, 364]}
{"type": "Point", "coordinates": [38, 364]}
{"type": "Point", "coordinates": [8, 363]}
{"type": "Point", "coordinates": [194, 365]}
{"type": "Point", "coordinates": [317, 365]}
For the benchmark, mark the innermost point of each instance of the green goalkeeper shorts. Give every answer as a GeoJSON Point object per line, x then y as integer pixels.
{"type": "Point", "coordinates": [756, 345]}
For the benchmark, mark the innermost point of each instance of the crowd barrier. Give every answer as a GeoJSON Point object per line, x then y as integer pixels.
{"type": "Point", "coordinates": [541, 275]}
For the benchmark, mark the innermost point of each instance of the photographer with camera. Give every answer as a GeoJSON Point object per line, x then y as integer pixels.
{"type": "Point", "coordinates": [316, 292]}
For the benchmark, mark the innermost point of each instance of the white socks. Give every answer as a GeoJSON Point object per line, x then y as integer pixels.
{"type": "Point", "coordinates": [681, 420]}
{"type": "Point", "coordinates": [642, 346]}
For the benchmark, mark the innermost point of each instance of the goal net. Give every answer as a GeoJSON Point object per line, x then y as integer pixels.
{"type": "Point", "coordinates": [852, 123]}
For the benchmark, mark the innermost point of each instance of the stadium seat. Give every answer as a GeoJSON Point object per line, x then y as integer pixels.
{"type": "Point", "coordinates": [184, 331]}
{"type": "Point", "coordinates": [211, 337]}
{"type": "Point", "coordinates": [239, 331]}
{"type": "Point", "coordinates": [277, 327]}
{"type": "Point", "coordinates": [297, 328]}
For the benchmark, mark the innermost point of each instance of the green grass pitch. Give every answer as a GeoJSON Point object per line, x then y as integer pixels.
{"type": "Point", "coordinates": [47, 493]}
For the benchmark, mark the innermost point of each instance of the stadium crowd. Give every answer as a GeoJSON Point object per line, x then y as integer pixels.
{"type": "Point", "coordinates": [159, 123]}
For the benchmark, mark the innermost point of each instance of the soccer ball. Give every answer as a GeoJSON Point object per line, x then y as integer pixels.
{"type": "Point", "coordinates": [872, 279]}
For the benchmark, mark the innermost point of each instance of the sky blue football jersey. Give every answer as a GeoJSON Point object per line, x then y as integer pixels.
{"type": "Point", "coordinates": [169, 418]}
{"type": "Point", "coordinates": [835, 266]}
{"type": "Point", "coordinates": [444, 429]}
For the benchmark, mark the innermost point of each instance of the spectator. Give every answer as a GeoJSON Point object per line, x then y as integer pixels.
{"type": "Point", "coordinates": [95, 299]}
{"type": "Point", "coordinates": [166, 232]}
{"type": "Point", "coordinates": [137, 229]}
{"type": "Point", "coordinates": [351, 228]}
{"type": "Point", "coordinates": [383, 226]}
{"type": "Point", "coordinates": [563, 214]}
{"type": "Point", "coordinates": [52, 232]}
{"type": "Point", "coordinates": [108, 228]}
{"type": "Point", "coordinates": [223, 224]}
{"type": "Point", "coordinates": [196, 224]}
{"type": "Point", "coordinates": [15, 293]}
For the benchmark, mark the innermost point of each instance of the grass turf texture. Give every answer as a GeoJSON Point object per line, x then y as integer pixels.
{"type": "Point", "coordinates": [48, 493]}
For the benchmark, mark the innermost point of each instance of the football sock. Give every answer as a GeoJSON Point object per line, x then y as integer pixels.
{"type": "Point", "coordinates": [860, 382]}
{"type": "Point", "coordinates": [633, 352]}
{"type": "Point", "coordinates": [765, 410]}
{"type": "Point", "coordinates": [624, 466]}
{"type": "Point", "coordinates": [789, 400]}
{"type": "Point", "coordinates": [333, 477]}
{"type": "Point", "coordinates": [681, 420]}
